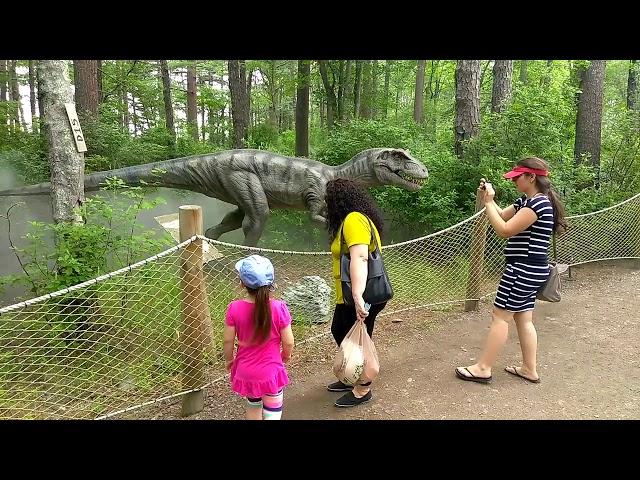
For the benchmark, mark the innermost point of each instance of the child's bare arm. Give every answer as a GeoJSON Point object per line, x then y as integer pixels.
{"type": "Point", "coordinates": [229, 337]}
{"type": "Point", "coordinates": [287, 343]}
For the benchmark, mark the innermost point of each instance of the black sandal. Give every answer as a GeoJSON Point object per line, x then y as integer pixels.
{"type": "Point", "coordinates": [472, 377]}
{"type": "Point", "coordinates": [517, 374]}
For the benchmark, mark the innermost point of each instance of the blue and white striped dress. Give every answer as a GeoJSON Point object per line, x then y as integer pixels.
{"type": "Point", "coordinates": [527, 258]}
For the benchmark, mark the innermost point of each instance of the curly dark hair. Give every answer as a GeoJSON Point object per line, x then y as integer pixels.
{"type": "Point", "coordinates": [343, 197]}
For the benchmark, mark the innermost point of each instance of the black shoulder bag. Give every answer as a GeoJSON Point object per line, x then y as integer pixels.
{"type": "Point", "coordinates": [378, 288]}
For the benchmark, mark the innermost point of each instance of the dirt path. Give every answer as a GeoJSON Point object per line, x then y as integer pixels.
{"type": "Point", "coordinates": [587, 356]}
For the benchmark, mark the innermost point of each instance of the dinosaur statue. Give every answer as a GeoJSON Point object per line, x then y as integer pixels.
{"type": "Point", "coordinates": [258, 181]}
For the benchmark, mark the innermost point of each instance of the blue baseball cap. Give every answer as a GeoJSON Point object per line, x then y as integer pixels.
{"type": "Point", "coordinates": [255, 271]}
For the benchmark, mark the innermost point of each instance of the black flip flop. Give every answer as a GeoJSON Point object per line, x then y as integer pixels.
{"type": "Point", "coordinates": [472, 378]}
{"type": "Point", "coordinates": [515, 372]}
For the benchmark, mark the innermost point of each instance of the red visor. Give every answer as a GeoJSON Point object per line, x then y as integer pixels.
{"type": "Point", "coordinates": [520, 170]}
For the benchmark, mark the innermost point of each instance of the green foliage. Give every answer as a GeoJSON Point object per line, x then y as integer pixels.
{"type": "Point", "coordinates": [110, 238]}
{"type": "Point", "coordinates": [539, 121]}
{"type": "Point", "coordinates": [346, 141]}
{"type": "Point", "coordinates": [24, 153]}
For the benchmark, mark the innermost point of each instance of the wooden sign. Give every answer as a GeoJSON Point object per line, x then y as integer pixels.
{"type": "Point", "coordinates": [75, 127]}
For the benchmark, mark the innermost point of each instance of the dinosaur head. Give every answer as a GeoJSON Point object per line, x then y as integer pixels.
{"type": "Point", "coordinates": [394, 166]}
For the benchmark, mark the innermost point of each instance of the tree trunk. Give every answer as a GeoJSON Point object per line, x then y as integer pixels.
{"type": "Point", "coordinates": [239, 102]}
{"type": "Point", "coordinates": [203, 130]}
{"type": "Point", "coordinates": [247, 104]}
{"type": "Point", "coordinates": [366, 110]}
{"type": "Point", "coordinates": [387, 79]}
{"type": "Point", "coordinates": [632, 86]}
{"type": "Point", "coordinates": [341, 67]}
{"type": "Point", "coordinates": [357, 89]}
{"type": "Point", "coordinates": [302, 109]}
{"type": "Point", "coordinates": [589, 118]}
{"type": "Point", "coordinates": [168, 106]}
{"type": "Point", "coordinates": [347, 92]}
{"type": "Point", "coordinates": [66, 163]}
{"type": "Point", "coordinates": [329, 89]}
{"type": "Point", "coordinates": [124, 96]}
{"type": "Point", "coordinates": [3, 80]}
{"type": "Point", "coordinates": [32, 95]}
{"type": "Point", "coordinates": [501, 92]}
{"type": "Point", "coordinates": [16, 110]}
{"type": "Point", "coordinates": [374, 89]}
{"type": "Point", "coordinates": [467, 82]}
{"type": "Point", "coordinates": [524, 75]}
{"type": "Point", "coordinates": [418, 102]}
{"type": "Point", "coordinates": [87, 91]}
{"type": "Point", "coordinates": [192, 105]}
{"type": "Point", "coordinates": [134, 117]}
{"type": "Point", "coordinates": [100, 88]}
{"type": "Point", "coordinates": [202, 123]}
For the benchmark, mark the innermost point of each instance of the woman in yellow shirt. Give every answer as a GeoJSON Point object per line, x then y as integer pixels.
{"type": "Point", "coordinates": [348, 207]}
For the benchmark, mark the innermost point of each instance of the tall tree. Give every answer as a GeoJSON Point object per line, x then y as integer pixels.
{"type": "Point", "coordinates": [374, 89]}
{"type": "Point", "coordinates": [3, 80]}
{"type": "Point", "coordinates": [366, 100]}
{"type": "Point", "coordinates": [346, 94]}
{"type": "Point", "coordinates": [467, 84]}
{"type": "Point", "coordinates": [418, 98]}
{"type": "Point", "coordinates": [501, 92]}
{"type": "Point", "coordinates": [357, 90]}
{"type": "Point", "coordinates": [168, 105]}
{"type": "Point", "coordinates": [433, 87]}
{"type": "Point", "coordinates": [340, 97]}
{"type": "Point", "coordinates": [302, 108]}
{"type": "Point", "coordinates": [66, 164]}
{"type": "Point", "coordinates": [240, 101]}
{"type": "Point", "coordinates": [385, 99]}
{"type": "Point", "coordinates": [124, 95]}
{"type": "Point", "coordinates": [100, 86]}
{"type": "Point", "coordinates": [270, 79]}
{"type": "Point", "coordinates": [192, 101]}
{"type": "Point", "coordinates": [632, 86]}
{"type": "Point", "coordinates": [14, 91]}
{"type": "Point", "coordinates": [87, 92]}
{"type": "Point", "coordinates": [589, 117]}
{"type": "Point", "coordinates": [330, 92]}
{"type": "Point", "coordinates": [32, 95]}
{"type": "Point", "coordinates": [524, 74]}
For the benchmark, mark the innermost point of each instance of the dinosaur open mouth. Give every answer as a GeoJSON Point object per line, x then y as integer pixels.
{"type": "Point", "coordinates": [408, 178]}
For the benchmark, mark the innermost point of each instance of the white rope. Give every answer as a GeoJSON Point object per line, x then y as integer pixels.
{"type": "Point", "coordinates": [138, 316]}
{"type": "Point", "coordinates": [97, 279]}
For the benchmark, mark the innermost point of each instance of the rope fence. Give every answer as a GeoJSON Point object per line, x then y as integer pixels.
{"type": "Point", "coordinates": [153, 331]}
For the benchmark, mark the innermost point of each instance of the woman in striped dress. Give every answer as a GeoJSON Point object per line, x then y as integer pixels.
{"type": "Point", "coordinates": [528, 224]}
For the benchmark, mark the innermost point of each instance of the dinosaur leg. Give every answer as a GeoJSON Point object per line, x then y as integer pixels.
{"type": "Point", "coordinates": [317, 208]}
{"type": "Point", "coordinates": [256, 208]}
{"type": "Point", "coordinates": [253, 226]}
{"type": "Point", "coordinates": [231, 221]}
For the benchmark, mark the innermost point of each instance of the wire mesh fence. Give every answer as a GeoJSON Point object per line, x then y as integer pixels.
{"type": "Point", "coordinates": [153, 330]}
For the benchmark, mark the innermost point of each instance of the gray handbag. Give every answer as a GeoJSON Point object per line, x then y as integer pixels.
{"type": "Point", "coordinates": [550, 291]}
{"type": "Point", "coordinates": [378, 288]}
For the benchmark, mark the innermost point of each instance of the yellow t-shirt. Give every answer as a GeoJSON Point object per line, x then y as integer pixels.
{"type": "Point", "coordinates": [356, 232]}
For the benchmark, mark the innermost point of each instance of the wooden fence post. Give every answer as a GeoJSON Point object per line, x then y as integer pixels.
{"type": "Point", "coordinates": [476, 261]}
{"type": "Point", "coordinates": [196, 330]}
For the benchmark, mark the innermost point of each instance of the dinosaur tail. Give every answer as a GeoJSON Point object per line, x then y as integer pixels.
{"type": "Point", "coordinates": [39, 189]}
{"type": "Point", "coordinates": [132, 176]}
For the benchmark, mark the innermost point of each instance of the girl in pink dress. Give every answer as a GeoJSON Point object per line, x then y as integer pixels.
{"type": "Point", "coordinates": [262, 325]}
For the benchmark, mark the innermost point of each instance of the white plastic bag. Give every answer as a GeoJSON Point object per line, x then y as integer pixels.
{"type": "Point", "coordinates": [357, 359]}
